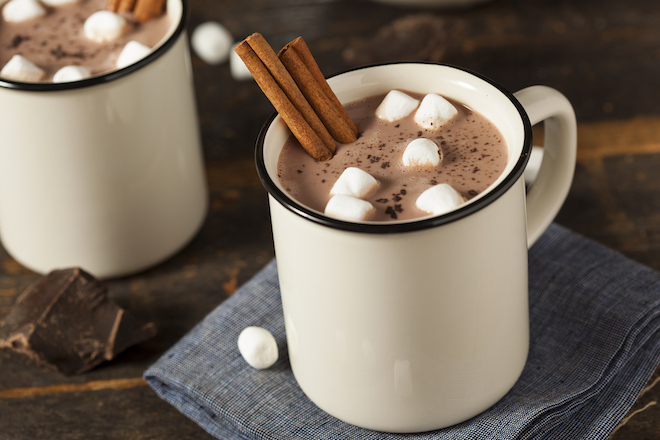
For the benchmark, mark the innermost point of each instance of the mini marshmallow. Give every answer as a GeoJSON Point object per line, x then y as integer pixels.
{"type": "Point", "coordinates": [22, 10]}
{"type": "Point", "coordinates": [104, 26]}
{"type": "Point", "coordinates": [434, 112]}
{"type": "Point", "coordinates": [421, 153]}
{"type": "Point", "coordinates": [258, 347]}
{"type": "Point", "coordinates": [212, 42]}
{"type": "Point", "coordinates": [20, 68]}
{"type": "Point", "coordinates": [396, 105]}
{"type": "Point", "coordinates": [71, 73]}
{"type": "Point", "coordinates": [354, 182]}
{"type": "Point", "coordinates": [133, 51]}
{"type": "Point", "coordinates": [349, 208]}
{"type": "Point", "coordinates": [439, 199]}
{"type": "Point", "coordinates": [239, 70]}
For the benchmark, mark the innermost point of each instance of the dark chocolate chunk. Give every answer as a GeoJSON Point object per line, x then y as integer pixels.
{"type": "Point", "coordinates": [65, 322]}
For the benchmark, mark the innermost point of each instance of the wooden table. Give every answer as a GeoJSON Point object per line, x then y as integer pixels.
{"type": "Point", "coordinates": [603, 54]}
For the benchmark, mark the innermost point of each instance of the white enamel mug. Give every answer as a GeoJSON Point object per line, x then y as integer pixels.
{"type": "Point", "coordinates": [105, 173]}
{"type": "Point", "coordinates": [418, 325]}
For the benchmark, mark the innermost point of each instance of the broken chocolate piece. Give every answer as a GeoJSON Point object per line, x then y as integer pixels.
{"type": "Point", "coordinates": [65, 322]}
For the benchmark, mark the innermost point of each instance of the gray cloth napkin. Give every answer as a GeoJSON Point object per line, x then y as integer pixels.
{"type": "Point", "coordinates": [595, 342]}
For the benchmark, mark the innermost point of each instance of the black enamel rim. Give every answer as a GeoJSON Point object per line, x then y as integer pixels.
{"type": "Point", "coordinates": [416, 225]}
{"type": "Point", "coordinates": [106, 77]}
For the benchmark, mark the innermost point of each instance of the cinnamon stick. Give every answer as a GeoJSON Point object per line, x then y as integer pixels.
{"type": "Point", "coordinates": [302, 66]}
{"type": "Point", "coordinates": [125, 6]}
{"type": "Point", "coordinates": [298, 125]}
{"type": "Point", "coordinates": [289, 86]}
{"type": "Point", "coordinates": [112, 5]}
{"type": "Point", "coordinates": [145, 10]}
{"type": "Point", "coordinates": [142, 10]}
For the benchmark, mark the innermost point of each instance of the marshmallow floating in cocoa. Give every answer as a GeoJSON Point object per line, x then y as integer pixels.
{"type": "Point", "coordinates": [103, 26]}
{"type": "Point", "coordinates": [421, 152]}
{"type": "Point", "coordinates": [212, 42]}
{"type": "Point", "coordinates": [17, 11]}
{"type": "Point", "coordinates": [440, 199]}
{"type": "Point", "coordinates": [354, 182]}
{"type": "Point", "coordinates": [434, 112]}
{"type": "Point", "coordinates": [258, 347]}
{"type": "Point", "coordinates": [133, 51]}
{"type": "Point", "coordinates": [396, 105]}
{"type": "Point", "coordinates": [349, 208]}
{"type": "Point", "coordinates": [71, 73]}
{"type": "Point", "coordinates": [20, 68]}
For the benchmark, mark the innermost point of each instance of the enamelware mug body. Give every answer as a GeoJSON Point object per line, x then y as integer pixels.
{"type": "Point", "coordinates": [104, 173]}
{"type": "Point", "coordinates": [418, 325]}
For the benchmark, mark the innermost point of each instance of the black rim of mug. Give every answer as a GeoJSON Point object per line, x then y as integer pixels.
{"type": "Point", "coordinates": [408, 226]}
{"type": "Point", "coordinates": [106, 77]}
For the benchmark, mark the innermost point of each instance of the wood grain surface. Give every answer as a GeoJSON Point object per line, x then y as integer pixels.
{"type": "Point", "coordinates": [604, 55]}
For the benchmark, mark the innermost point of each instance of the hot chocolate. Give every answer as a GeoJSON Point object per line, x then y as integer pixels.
{"type": "Point", "coordinates": [472, 150]}
{"type": "Point", "coordinates": [57, 39]}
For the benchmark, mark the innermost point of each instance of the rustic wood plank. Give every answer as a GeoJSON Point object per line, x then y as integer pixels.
{"type": "Point", "coordinates": [600, 53]}
{"type": "Point", "coordinates": [96, 385]}
{"type": "Point", "coordinates": [639, 135]}
{"type": "Point", "coordinates": [132, 413]}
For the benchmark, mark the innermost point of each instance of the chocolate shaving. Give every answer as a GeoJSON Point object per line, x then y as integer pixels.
{"type": "Point", "coordinates": [392, 212]}
{"type": "Point", "coordinates": [65, 322]}
{"type": "Point", "coordinates": [17, 40]}
{"type": "Point", "coordinates": [60, 53]}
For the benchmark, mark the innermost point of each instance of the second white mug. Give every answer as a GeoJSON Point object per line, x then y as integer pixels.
{"type": "Point", "coordinates": [105, 173]}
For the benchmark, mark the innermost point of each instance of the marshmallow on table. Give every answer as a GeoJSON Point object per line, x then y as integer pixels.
{"type": "Point", "coordinates": [22, 10]}
{"type": "Point", "coordinates": [434, 112]}
{"type": "Point", "coordinates": [421, 152]}
{"type": "Point", "coordinates": [20, 68]}
{"type": "Point", "coordinates": [103, 26]}
{"type": "Point", "coordinates": [71, 73]}
{"type": "Point", "coordinates": [349, 208]}
{"type": "Point", "coordinates": [258, 347]}
{"type": "Point", "coordinates": [354, 182]}
{"type": "Point", "coordinates": [239, 70]}
{"type": "Point", "coordinates": [396, 105]}
{"type": "Point", "coordinates": [439, 199]}
{"type": "Point", "coordinates": [212, 42]}
{"type": "Point", "coordinates": [132, 52]}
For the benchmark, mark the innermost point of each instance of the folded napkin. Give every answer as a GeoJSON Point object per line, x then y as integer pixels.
{"type": "Point", "coordinates": [595, 342]}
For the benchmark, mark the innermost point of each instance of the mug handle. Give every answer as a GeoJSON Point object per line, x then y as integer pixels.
{"type": "Point", "coordinates": [555, 176]}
